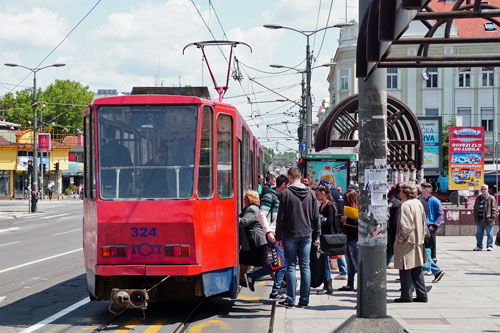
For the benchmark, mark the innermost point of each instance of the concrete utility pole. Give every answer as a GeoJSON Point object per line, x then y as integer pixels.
{"type": "Point", "coordinates": [371, 313]}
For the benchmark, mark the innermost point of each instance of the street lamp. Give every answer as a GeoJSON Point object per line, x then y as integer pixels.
{"type": "Point", "coordinates": [35, 116]}
{"type": "Point", "coordinates": [303, 121]}
{"type": "Point", "coordinates": [308, 33]}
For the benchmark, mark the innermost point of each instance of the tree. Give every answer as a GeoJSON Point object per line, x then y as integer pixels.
{"type": "Point", "coordinates": [61, 105]}
{"type": "Point", "coordinates": [446, 141]}
{"type": "Point", "coordinates": [268, 157]}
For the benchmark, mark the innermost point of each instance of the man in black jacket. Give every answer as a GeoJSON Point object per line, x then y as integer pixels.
{"type": "Point", "coordinates": [297, 226]}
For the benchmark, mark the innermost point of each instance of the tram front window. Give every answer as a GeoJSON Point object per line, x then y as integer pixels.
{"type": "Point", "coordinates": [147, 152]}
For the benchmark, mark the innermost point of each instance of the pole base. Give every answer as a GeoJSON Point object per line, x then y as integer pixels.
{"type": "Point", "coordinates": [376, 325]}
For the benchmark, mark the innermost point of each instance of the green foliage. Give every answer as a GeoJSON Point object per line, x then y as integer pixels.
{"type": "Point", "coordinates": [446, 141]}
{"type": "Point", "coordinates": [70, 189]}
{"type": "Point", "coordinates": [268, 157]}
{"type": "Point", "coordinates": [61, 105]}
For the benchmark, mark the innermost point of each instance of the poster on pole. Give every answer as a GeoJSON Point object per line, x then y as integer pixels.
{"type": "Point", "coordinates": [44, 142]}
{"type": "Point", "coordinates": [466, 158]}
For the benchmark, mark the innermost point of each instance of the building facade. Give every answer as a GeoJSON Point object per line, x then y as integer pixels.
{"type": "Point", "coordinates": [470, 95]}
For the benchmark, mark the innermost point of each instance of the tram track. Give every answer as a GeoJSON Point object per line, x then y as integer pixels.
{"type": "Point", "coordinates": [180, 328]}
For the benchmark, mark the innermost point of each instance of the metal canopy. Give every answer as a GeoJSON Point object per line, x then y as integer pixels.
{"type": "Point", "coordinates": [404, 135]}
{"type": "Point", "coordinates": [387, 20]}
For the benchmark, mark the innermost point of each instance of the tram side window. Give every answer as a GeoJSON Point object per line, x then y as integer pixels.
{"type": "Point", "coordinates": [224, 156]}
{"type": "Point", "coordinates": [205, 168]}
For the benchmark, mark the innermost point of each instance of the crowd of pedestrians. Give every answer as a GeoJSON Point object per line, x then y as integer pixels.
{"type": "Point", "coordinates": [292, 216]}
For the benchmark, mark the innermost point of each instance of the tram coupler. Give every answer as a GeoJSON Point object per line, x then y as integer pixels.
{"type": "Point", "coordinates": [128, 299]}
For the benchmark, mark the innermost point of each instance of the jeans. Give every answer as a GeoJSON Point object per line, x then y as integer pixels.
{"type": "Point", "coordinates": [435, 269]}
{"type": "Point", "coordinates": [480, 234]}
{"type": "Point", "coordinates": [298, 247]}
{"type": "Point", "coordinates": [277, 265]}
{"type": "Point", "coordinates": [351, 257]}
{"type": "Point", "coordinates": [328, 269]}
{"type": "Point", "coordinates": [342, 266]}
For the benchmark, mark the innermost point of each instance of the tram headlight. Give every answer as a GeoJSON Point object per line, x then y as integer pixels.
{"type": "Point", "coordinates": [113, 251]}
{"type": "Point", "coordinates": [177, 250]}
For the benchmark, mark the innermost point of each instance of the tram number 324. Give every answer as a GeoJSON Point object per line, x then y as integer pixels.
{"type": "Point", "coordinates": [143, 232]}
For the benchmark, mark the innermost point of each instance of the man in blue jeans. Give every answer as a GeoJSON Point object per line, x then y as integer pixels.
{"type": "Point", "coordinates": [485, 212]}
{"type": "Point", "coordinates": [268, 213]}
{"type": "Point", "coordinates": [297, 226]}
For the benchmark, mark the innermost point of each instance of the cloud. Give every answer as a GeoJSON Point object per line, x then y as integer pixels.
{"type": "Point", "coordinates": [38, 28]}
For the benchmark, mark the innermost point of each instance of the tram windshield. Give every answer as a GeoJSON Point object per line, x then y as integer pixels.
{"type": "Point", "coordinates": [147, 151]}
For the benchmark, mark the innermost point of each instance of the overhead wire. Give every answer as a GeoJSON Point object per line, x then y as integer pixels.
{"type": "Point", "coordinates": [317, 22]}
{"type": "Point", "coordinates": [324, 33]}
{"type": "Point", "coordinates": [62, 41]}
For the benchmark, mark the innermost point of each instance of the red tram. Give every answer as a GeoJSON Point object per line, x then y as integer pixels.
{"type": "Point", "coordinates": [164, 180]}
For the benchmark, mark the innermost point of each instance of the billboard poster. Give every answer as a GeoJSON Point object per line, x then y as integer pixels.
{"type": "Point", "coordinates": [44, 142]}
{"type": "Point", "coordinates": [466, 158]}
{"type": "Point", "coordinates": [432, 134]}
{"type": "Point", "coordinates": [337, 172]}
{"type": "Point", "coordinates": [22, 163]}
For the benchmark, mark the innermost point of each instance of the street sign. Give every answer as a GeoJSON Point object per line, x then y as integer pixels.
{"type": "Point", "coordinates": [303, 146]}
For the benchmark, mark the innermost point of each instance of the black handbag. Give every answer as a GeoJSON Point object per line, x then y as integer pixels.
{"type": "Point", "coordinates": [497, 240]}
{"type": "Point", "coordinates": [333, 244]}
{"type": "Point", "coordinates": [428, 240]}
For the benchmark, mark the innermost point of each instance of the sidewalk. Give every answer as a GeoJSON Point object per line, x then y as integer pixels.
{"type": "Point", "coordinates": [467, 299]}
{"type": "Point", "coordinates": [18, 207]}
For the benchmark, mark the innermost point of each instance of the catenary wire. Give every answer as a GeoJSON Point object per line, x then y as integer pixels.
{"type": "Point", "coordinates": [62, 41]}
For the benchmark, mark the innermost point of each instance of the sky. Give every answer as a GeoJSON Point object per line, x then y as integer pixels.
{"type": "Point", "coordinates": [119, 44]}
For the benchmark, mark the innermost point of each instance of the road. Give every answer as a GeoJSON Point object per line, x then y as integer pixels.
{"type": "Point", "coordinates": [43, 283]}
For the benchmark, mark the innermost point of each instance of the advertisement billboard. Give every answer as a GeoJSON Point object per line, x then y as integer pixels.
{"type": "Point", "coordinates": [44, 142]}
{"type": "Point", "coordinates": [466, 158]}
{"type": "Point", "coordinates": [336, 171]}
{"type": "Point", "coordinates": [432, 134]}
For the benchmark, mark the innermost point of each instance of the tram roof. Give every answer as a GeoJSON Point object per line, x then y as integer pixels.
{"type": "Point", "coordinates": [154, 99]}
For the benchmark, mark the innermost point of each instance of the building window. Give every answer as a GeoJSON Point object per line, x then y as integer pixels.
{"type": "Point", "coordinates": [392, 78]}
{"type": "Point", "coordinates": [465, 114]}
{"type": "Point", "coordinates": [344, 79]}
{"type": "Point", "coordinates": [489, 26]}
{"type": "Point", "coordinates": [487, 119]}
{"type": "Point", "coordinates": [488, 76]}
{"type": "Point", "coordinates": [431, 76]}
{"type": "Point", "coordinates": [464, 77]}
{"type": "Point", "coordinates": [432, 112]}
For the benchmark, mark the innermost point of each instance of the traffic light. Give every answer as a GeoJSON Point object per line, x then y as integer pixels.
{"type": "Point", "coordinates": [301, 163]}
{"type": "Point", "coordinates": [30, 166]}
{"type": "Point", "coordinates": [56, 167]}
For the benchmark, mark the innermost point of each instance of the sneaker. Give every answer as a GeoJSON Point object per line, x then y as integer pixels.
{"type": "Point", "coordinates": [428, 273]}
{"type": "Point", "coordinates": [277, 296]}
{"type": "Point", "coordinates": [250, 282]}
{"type": "Point", "coordinates": [286, 304]}
{"type": "Point", "coordinates": [489, 249]}
{"type": "Point", "coordinates": [301, 305]}
{"type": "Point", "coordinates": [438, 277]}
{"type": "Point", "coordinates": [341, 277]}
{"type": "Point", "coordinates": [477, 249]}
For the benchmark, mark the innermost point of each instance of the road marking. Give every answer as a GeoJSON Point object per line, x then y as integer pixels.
{"type": "Point", "coordinates": [9, 229]}
{"type": "Point", "coordinates": [54, 216]}
{"type": "Point", "coordinates": [10, 243]}
{"type": "Point", "coordinates": [66, 232]}
{"type": "Point", "coordinates": [129, 325]}
{"type": "Point", "coordinates": [56, 316]}
{"type": "Point", "coordinates": [39, 260]}
{"type": "Point", "coordinates": [198, 328]}
{"type": "Point", "coordinates": [155, 327]}
{"type": "Point", "coordinates": [242, 297]}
